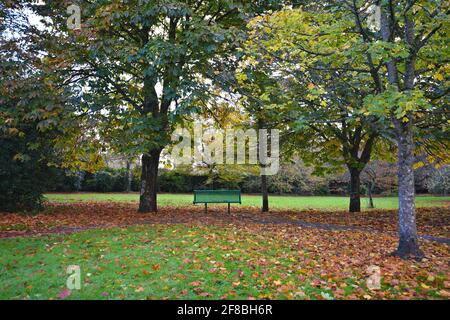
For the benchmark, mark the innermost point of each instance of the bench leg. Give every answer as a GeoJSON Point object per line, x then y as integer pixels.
{"type": "Point", "coordinates": [228, 208]}
{"type": "Point", "coordinates": [206, 208]}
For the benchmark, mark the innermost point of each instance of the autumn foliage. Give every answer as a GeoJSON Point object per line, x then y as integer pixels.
{"type": "Point", "coordinates": [294, 255]}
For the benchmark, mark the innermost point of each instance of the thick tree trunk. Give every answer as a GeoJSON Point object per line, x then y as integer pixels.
{"type": "Point", "coordinates": [355, 190]}
{"type": "Point", "coordinates": [149, 178]}
{"type": "Point", "coordinates": [265, 194]}
{"type": "Point", "coordinates": [408, 247]}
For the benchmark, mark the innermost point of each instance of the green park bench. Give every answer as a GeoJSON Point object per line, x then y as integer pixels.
{"type": "Point", "coordinates": [217, 196]}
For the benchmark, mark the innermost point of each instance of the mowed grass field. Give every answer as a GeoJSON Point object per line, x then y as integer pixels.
{"type": "Point", "coordinates": [151, 262]}
{"type": "Point", "coordinates": [277, 202]}
{"type": "Point", "coordinates": [212, 262]}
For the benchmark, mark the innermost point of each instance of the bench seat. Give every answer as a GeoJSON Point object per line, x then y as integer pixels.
{"type": "Point", "coordinates": [217, 196]}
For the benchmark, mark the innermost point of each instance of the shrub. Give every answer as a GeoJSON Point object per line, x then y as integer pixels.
{"type": "Point", "coordinates": [60, 180]}
{"type": "Point", "coordinates": [172, 181]}
{"type": "Point", "coordinates": [22, 181]}
{"type": "Point", "coordinates": [439, 181]}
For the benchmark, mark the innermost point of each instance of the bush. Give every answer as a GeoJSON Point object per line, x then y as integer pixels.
{"type": "Point", "coordinates": [64, 181]}
{"type": "Point", "coordinates": [292, 178]}
{"type": "Point", "coordinates": [22, 182]}
{"type": "Point", "coordinates": [321, 190]}
{"type": "Point", "coordinates": [439, 181]}
{"type": "Point", "coordinates": [104, 181]}
{"type": "Point", "coordinates": [108, 180]}
{"type": "Point", "coordinates": [172, 181]}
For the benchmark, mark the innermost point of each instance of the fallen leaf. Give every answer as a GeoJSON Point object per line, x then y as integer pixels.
{"type": "Point", "coordinates": [140, 289]}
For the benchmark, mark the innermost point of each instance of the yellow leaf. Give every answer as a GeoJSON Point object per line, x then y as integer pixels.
{"type": "Point", "coordinates": [439, 76]}
{"type": "Point", "coordinates": [423, 285]}
{"type": "Point", "coordinates": [13, 131]}
{"type": "Point", "coordinates": [418, 165]}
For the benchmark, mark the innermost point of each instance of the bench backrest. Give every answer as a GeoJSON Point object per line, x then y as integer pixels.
{"type": "Point", "coordinates": [217, 196]}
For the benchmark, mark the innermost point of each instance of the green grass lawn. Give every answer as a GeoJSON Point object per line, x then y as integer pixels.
{"type": "Point", "coordinates": [280, 202]}
{"type": "Point", "coordinates": [148, 262]}
{"type": "Point", "coordinates": [206, 262]}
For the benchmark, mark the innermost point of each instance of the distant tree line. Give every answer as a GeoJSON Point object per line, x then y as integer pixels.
{"type": "Point", "coordinates": [295, 178]}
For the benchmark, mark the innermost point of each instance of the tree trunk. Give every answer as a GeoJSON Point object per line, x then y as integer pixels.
{"type": "Point", "coordinates": [265, 194]}
{"type": "Point", "coordinates": [262, 161]}
{"type": "Point", "coordinates": [355, 190]}
{"type": "Point", "coordinates": [408, 247]}
{"type": "Point", "coordinates": [369, 194]}
{"type": "Point", "coordinates": [149, 178]}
